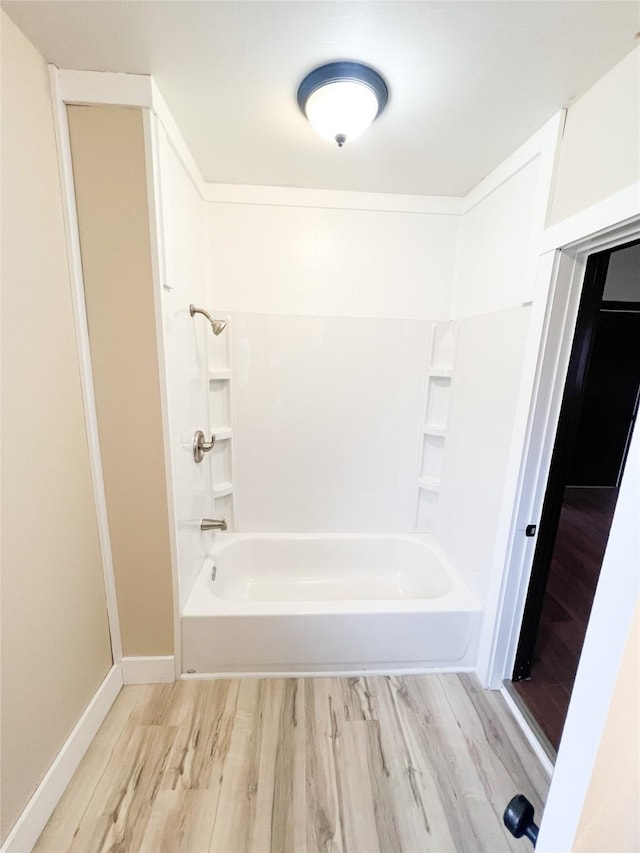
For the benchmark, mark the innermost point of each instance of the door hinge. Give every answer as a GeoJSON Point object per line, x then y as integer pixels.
{"type": "Point", "coordinates": [530, 530]}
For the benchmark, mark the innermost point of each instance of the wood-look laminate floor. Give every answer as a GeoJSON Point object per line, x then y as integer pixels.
{"type": "Point", "coordinates": [390, 764]}
{"type": "Point", "coordinates": [581, 541]}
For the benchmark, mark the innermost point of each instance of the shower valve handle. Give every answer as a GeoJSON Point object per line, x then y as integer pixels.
{"type": "Point", "coordinates": [200, 446]}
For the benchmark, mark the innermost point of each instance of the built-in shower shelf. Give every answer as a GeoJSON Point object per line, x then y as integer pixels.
{"type": "Point", "coordinates": [221, 433]}
{"type": "Point", "coordinates": [440, 370]}
{"type": "Point", "coordinates": [219, 490]}
{"type": "Point", "coordinates": [434, 429]}
{"type": "Point", "coordinates": [430, 483]}
{"type": "Point", "coordinates": [219, 373]}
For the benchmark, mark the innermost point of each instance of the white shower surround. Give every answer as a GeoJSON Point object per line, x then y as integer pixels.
{"type": "Point", "coordinates": [275, 603]}
{"type": "Point", "coordinates": [327, 422]}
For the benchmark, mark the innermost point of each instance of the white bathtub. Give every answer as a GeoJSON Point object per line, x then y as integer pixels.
{"type": "Point", "coordinates": [318, 603]}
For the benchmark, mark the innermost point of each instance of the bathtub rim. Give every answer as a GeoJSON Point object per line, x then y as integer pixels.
{"type": "Point", "coordinates": [459, 597]}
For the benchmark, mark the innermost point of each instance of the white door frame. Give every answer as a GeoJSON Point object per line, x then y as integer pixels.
{"type": "Point", "coordinates": [562, 262]}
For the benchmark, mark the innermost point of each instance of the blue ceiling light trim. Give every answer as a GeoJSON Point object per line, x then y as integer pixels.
{"type": "Point", "coordinates": [335, 72]}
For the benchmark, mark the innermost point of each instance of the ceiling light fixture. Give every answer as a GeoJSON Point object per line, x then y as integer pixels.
{"type": "Point", "coordinates": [342, 99]}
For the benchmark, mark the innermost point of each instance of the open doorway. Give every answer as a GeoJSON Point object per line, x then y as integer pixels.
{"type": "Point", "coordinates": [599, 408]}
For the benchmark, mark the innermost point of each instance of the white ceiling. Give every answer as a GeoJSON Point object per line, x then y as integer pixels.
{"type": "Point", "coordinates": [469, 80]}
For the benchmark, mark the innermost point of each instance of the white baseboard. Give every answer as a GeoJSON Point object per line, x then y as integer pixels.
{"type": "Point", "coordinates": [149, 670]}
{"type": "Point", "coordinates": [545, 761]}
{"type": "Point", "coordinates": [40, 807]}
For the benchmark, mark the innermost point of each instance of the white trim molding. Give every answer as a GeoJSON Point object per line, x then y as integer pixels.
{"type": "Point", "coordinates": [104, 87]}
{"type": "Point", "coordinates": [158, 264]}
{"type": "Point", "coordinates": [40, 807]}
{"type": "Point", "coordinates": [159, 669]}
{"type": "Point", "coordinates": [331, 199]}
{"type": "Point", "coordinates": [616, 210]}
{"type": "Point", "coordinates": [527, 731]}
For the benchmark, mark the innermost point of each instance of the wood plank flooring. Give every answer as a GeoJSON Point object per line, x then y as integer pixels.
{"type": "Point", "coordinates": [581, 540]}
{"type": "Point", "coordinates": [360, 765]}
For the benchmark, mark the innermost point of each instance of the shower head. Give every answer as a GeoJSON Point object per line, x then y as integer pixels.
{"type": "Point", "coordinates": [217, 325]}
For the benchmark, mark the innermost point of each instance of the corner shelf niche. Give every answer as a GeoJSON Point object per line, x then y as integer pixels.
{"type": "Point", "coordinates": [221, 490]}
{"type": "Point", "coordinates": [222, 373]}
{"type": "Point", "coordinates": [222, 433]}
{"type": "Point", "coordinates": [440, 373]}
{"type": "Point", "coordinates": [434, 429]}
{"type": "Point", "coordinates": [219, 377]}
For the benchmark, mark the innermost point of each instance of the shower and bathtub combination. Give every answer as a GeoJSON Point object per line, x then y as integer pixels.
{"type": "Point", "coordinates": [319, 602]}
{"type": "Point", "coordinates": [325, 602]}
{"type": "Point", "coordinates": [341, 424]}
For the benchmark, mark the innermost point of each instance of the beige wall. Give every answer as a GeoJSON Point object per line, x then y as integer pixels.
{"type": "Point", "coordinates": [611, 814]}
{"type": "Point", "coordinates": [55, 639]}
{"type": "Point", "coordinates": [107, 146]}
{"type": "Point", "coordinates": [600, 148]}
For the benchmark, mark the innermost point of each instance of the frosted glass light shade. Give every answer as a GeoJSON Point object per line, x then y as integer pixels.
{"type": "Point", "coordinates": [342, 110]}
{"type": "Point", "coordinates": [342, 99]}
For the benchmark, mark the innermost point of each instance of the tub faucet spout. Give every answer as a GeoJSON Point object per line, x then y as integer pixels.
{"type": "Point", "coordinates": [213, 524]}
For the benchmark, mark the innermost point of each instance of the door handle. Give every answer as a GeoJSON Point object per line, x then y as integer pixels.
{"type": "Point", "coordinates": [518, 818]}
{"type": "Point", "coordinates": [200, 446]}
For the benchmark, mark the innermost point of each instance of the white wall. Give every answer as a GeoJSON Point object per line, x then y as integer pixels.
{"type": "Point", "coordinates": [495, 254]}
{"type": "Point", "coordinates": [495, 241]}
{"type": "Point", "coordinates": [330, 315]}
{"type": "Point", "coordinates": [183, 280]}
{"type": "Point", "coordinates": [599, 150]}
{"type": "Point", "coordinates": [485, 392]}
{"type": "Point", "coordinates": [326, 262]}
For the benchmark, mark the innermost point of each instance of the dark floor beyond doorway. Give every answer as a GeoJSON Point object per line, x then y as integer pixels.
{"type": "Point", "coordinates": [580, 544]}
